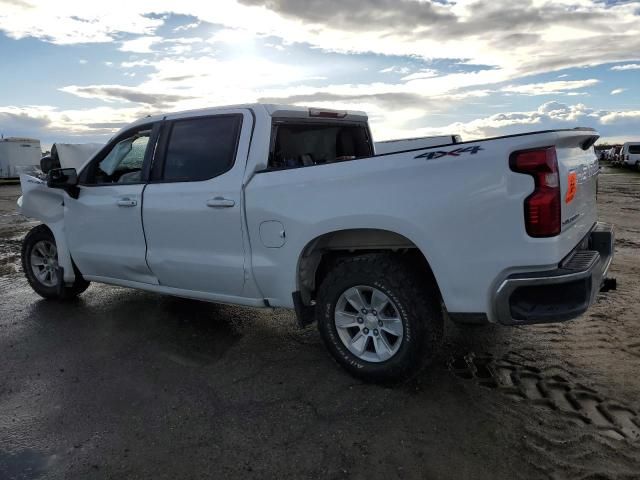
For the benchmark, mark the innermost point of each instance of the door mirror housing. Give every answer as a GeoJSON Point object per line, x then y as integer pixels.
{"type": "Point", "coordinates": [65, 179]}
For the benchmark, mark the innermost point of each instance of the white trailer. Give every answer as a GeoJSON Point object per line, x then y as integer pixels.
{"type": "Point", "coordinates": [18, 152]}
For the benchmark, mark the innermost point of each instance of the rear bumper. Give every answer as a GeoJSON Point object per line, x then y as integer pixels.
{"type": "Point", "coordinates": [560, 294]}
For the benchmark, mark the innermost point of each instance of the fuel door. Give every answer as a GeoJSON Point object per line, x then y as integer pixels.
{"type": "Point", "coordinates": [272, 234]}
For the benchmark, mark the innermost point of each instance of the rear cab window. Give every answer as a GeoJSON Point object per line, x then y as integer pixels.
{"type": "Point", "coordinates": [303, 143]}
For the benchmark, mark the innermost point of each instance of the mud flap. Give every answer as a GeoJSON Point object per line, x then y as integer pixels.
{"type": "Point", "coordinates": [305, 314]}
{"type": "Point", "coordinates": [60, 285]}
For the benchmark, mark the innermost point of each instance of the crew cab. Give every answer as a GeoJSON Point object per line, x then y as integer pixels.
{"type": "Point", "coordinates": [285, 206]}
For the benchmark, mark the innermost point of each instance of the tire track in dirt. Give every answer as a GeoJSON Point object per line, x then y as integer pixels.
{"type": "Point", "coordinates": [607, 335]}
{"type": "Point", "coordinates": [553, 388]}
{"type": "Point", "coordinates": [586, 456]}
{"type": "Point", "coordinates": [608, 441]}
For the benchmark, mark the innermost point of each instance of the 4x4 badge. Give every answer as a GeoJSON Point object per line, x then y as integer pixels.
{"type": "Point", "coordinates": [453, 153]}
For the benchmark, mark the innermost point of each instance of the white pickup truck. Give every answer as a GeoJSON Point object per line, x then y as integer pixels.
{"type": "Point", "coordinates": [280, 206]}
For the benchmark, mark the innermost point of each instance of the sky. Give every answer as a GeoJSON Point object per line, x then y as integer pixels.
{"type": "Point", "coordinates": [76, 71]}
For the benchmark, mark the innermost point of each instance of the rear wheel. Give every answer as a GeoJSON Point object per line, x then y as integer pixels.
{"type": "Point", "coordinates": [378, 319]}
{"type": "Point", "coordinates": [40, 266]}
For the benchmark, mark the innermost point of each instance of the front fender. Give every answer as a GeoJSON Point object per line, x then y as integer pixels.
{"type": "Point", "coordinates": [47, 205]}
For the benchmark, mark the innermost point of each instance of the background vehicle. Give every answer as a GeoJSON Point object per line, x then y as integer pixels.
{"type": "Point", "coordinates": [18, 152]}
{"type": "Point", "coordinates": [69, 155]}
{"type": "Point", "coordinates": [268, 205]}
{"type": "Point", "coordinates": [630, 155]}
{"type": "Point", "coordinates": [399, 145]}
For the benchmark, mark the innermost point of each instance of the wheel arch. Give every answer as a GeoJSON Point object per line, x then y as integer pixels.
{"type": "Point", "coordinates": [325, 250]}
{"type": "Point", "coordinates": [64, 255]}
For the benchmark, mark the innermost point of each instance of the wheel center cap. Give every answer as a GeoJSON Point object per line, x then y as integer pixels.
{"type": "Point", "coordinates": [371, 321]}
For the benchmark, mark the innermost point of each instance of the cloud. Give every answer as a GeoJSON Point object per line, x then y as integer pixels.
{"type": "Point", "coordinates": [629, 66]}
{"type": "Point", "coordinates": [17, 122]}
{"type": "Point", "coordinates": [383, 101]}
{"type": "Point", "coordinates": [551, 88]}
{"type": "Point", "coordinates": [618, 91]}
{"type": "Point", "coordinates": [394, 69]}
{"type": "Point", "coordinates": [549, 115]}
{"type": "Point", "coordinates": [140, 44]}
{"type": "Point", "coordinates": [388, 101]}
{"type": "Point", "coordinates": [188, 26]}
{"type": "Point", "coordinates": [525, 37]}
{"type": "Point", "coordinates": [111, 93]}
{"type": "Point", "coordinates": [486, 48]}
{"type": "Point", "coordinates": [423, 73]}
{"type": "Point", "coordinates": [50, 124]}
{"type": "Point", "coordinates": [621, 118]}
{"type": "Point", "coordinates": [73, 21]}
{"type": "Point", "coordinates": [361, 14]}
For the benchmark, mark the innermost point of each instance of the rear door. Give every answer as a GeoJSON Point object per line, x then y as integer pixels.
{"type": "Point", "coordinates": [193, 206]}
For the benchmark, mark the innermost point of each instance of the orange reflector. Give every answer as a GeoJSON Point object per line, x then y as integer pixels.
{"type": "Point", "coordinates": [572, 188]}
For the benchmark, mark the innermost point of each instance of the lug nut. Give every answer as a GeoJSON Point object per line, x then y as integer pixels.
{"type": "Point", "coordinates": [375, 331]}
{"type": "Point", "coordinates": [366, 331]}
{"type": "Point", "coordinates": [364, 311]}
{"type": "Point", "coordinates": [379, 323]}
{"type": "Point", "coordinates": [374, 312]}
{"type": "Point", "coordinates": [360, 320]}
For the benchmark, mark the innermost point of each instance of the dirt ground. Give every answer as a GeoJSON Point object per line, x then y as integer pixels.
{"type": "Point", "coordinates": [127, 384]}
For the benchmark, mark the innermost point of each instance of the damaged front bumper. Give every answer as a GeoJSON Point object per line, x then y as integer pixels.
{"type": "Point", "coordinates": [563, 293]}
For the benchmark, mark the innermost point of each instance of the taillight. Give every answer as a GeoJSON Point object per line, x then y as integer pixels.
{"type": "Point", "coordinates": [542, 209]}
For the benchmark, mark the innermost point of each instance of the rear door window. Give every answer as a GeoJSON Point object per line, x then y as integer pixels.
{"type": "Point", "coordinates": [201, 148]}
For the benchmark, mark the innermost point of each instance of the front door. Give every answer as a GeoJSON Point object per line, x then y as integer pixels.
{"type": "Point", "coordinates": [104, 224]}
{"type": "Point", "coordinates": [193, 204]}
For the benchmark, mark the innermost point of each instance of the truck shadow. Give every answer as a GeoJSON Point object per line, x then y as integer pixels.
{"type": "Point", "coordinates": [187, 332]}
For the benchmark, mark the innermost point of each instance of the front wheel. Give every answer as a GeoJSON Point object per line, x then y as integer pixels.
{"type": "Point", "coordinates": [378, 319]}
{"type": "Point", "coordinates": [40, 266]}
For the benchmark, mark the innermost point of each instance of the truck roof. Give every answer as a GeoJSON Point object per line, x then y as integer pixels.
{"type": "Point", "coordinates": [274, 110]}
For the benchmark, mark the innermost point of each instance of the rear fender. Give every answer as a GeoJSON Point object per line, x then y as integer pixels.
{"type": "Point", "coordinates": [47, 205]}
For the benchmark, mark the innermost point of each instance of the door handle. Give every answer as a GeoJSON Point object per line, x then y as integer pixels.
{"type": "Point", "coordinates": [220, 202]}
{"type": "Point", "coordinates": [127, 202]}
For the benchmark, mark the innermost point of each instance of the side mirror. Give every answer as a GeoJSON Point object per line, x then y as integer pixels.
{"type": "Point", "coordinates": [64, 178]}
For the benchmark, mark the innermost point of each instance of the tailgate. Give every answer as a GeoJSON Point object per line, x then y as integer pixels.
{"type": "Point", "coordinates": [578, 172]}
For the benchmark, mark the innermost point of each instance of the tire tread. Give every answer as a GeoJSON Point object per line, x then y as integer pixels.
{"type": "Point", "coordinates": [419, 298]}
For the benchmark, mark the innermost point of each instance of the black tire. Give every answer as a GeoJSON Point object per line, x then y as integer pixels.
{"type": "Point", "coordinates": [416, 300]}
{"type": "Point", "coordinates": [38, 234]}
